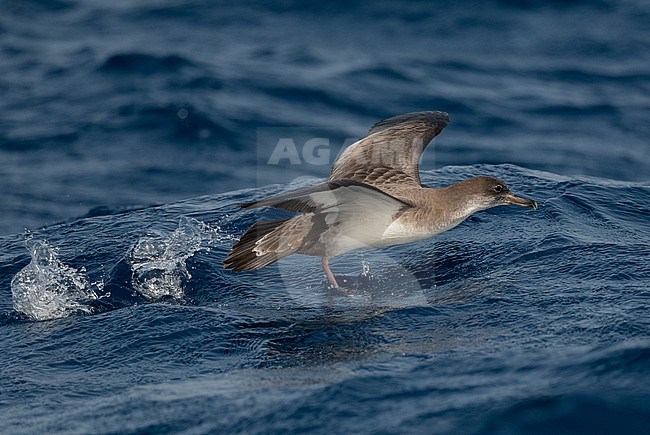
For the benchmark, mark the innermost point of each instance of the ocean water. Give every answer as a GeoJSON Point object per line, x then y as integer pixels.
{"type": "Point", "coordinates": [130, 131]}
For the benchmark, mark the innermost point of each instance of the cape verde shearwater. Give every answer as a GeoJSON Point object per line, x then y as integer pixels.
{"type": "Point", "coordinates": [373, 198]}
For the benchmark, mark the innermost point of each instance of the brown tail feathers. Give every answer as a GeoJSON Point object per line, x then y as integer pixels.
{"type": "Point", "coordinates": [267, 242]}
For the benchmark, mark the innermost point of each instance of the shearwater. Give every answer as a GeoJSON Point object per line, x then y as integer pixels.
{"type": "Point", "coordinates": [373, 198]}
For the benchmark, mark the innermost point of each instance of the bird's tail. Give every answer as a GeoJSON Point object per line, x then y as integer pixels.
{"type": "Point", "coordinates": [267, 242]}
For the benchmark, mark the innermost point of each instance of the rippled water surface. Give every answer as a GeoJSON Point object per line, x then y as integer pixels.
{"type": "Point", "coordinates": [131, 131]}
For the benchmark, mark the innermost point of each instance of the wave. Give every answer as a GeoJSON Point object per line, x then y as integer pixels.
{"type": "Point", "coordinates": [185, 122]}
{"type": "Point", "coordinates": [144, 63]}
{"type": "Point", "coordinates": [587, 231]}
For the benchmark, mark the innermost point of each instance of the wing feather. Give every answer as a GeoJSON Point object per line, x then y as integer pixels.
{"type": "Point", "coordinates": [391, 151]}
{"type": "Point", "coordinates": [328, 196]}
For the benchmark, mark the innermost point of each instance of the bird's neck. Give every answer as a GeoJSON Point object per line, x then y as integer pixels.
{"type": "Point", "coordinates": [449, 206]}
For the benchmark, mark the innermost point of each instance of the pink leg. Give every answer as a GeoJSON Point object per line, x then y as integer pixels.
{"type": "Point", "coordinates": [328, 273]}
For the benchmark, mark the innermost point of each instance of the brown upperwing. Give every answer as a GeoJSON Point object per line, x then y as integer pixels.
{"type": "Point", "coordinates": [388, 157]}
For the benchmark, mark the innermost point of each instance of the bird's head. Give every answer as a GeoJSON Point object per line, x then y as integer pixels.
{"type": "Point", "coordinates": [487, 192]}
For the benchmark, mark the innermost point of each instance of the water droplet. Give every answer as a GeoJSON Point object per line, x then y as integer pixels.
{"type": "Point", "coordinates": [183, 113]}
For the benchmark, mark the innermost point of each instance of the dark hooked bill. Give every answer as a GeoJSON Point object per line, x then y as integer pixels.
{"type": "Point", "coordinates": [518, 200]}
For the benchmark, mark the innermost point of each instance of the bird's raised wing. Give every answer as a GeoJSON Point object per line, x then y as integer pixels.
{"type": "Point", "coordinates": [389, 155]}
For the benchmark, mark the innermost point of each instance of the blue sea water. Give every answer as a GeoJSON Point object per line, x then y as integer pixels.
{"type": "Point", "coordinates": [130, 131]}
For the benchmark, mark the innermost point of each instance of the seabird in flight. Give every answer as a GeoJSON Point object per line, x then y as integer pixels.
{"type": "Point", "coordinates": [373, 198]}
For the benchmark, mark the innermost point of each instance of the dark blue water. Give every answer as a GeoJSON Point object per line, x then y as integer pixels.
{"type": "Point", "coordinates": [129, 130]}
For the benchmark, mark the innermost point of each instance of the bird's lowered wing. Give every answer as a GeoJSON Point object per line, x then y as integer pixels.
{"type": "Point", "coordinates": [333, 196]}
{"type": "Point", "coordinates": [389, 155]}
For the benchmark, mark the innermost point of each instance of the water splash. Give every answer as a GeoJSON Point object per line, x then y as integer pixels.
{"type": "Point", "coordinates": [158, 259]}
{"type": "Point", "coordinates": [365, 267]}
{"type": "Point", "coordinates": [48, 289]}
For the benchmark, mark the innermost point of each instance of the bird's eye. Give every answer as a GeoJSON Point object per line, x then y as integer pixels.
{"type": "Point", "coordinates": [498, 188]}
